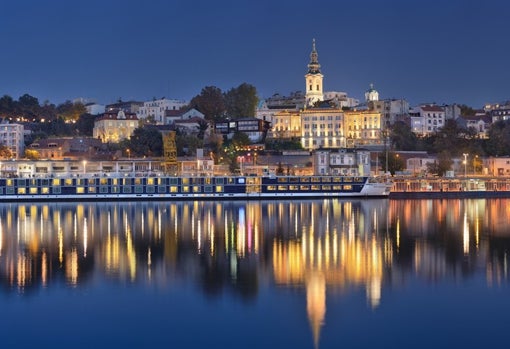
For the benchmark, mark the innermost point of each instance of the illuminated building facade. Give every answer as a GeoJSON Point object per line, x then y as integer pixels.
{"type": "Point", "coordinates": [287, 124]}
{"type": "Point", "coordinates": [322, 128]}
{"type": "Point", "coordinates": [158, 107]}
{"type": "Point", "coordinates": [363, 128]}
{"type": "Point", "coordinates": [12, 136]}
{"type": "Point", "coordinates": [114, 126]}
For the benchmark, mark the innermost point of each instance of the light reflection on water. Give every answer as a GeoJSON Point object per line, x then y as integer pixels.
{"type": "Point", "coordinates": [328, 249]}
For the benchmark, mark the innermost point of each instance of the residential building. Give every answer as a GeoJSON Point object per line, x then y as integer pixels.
{"type": "Point", "coordinates": [340, 99]}
{"type": "Point", "coordinates": [158, 107]}
{"type": "Point", "coordinates": [114, 126]}
{"type": "Point", "coordinates": [363, 128]}
{"type": "Point", "coordinates": [267, 109]}
{"type": "Point", "coordinates": [286, 125]}
{"type": "Point", "coordinates": [60, 148]}
{"type": "Point", "coordinates": [127, 107]}
{"type": "Point", "coordinates": [501, 113]}
{"type": "Point", "coordinates": [172, 116]}
{"type": "Point", "coordinates": [344, 161]}
{"type": "Point", "coordinates": [256, 129]}
{"type": "Point", "coordinates": [296, 100]}
{"type": "Point", "coordinates": [427, 119]}
{"type": "Point", "coordinates": [12, 136]}
{"type": "Point", "coordinates": [451, 112]}
{"type": "Point", "coordinates": [498, 166]}
{"type": "Point", "coordinates": [95, 109]}
{"type": "Point", "coordinates": [391, 110]}
{"type": "Point", "coordinates": [479, 124]}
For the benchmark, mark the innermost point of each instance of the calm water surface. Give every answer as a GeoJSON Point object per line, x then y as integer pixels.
{"type": "Point", "coordinates": [303, 274]}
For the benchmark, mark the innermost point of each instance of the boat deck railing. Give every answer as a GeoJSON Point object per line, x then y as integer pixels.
{"type": "Point", "coordinates": [457, 184]}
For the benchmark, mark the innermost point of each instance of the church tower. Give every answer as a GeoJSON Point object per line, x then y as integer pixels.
{"type": "Point", "coordinates": [313, 79]}
{"type": "Point", "coordinates": [371, 95]}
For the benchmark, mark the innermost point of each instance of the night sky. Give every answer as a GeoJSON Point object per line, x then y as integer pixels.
{"type": "Point", "coordinates": [449, 51]}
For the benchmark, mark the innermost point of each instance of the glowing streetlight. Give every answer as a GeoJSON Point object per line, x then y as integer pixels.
{"type": "Point", "coordinates": [465, 163]}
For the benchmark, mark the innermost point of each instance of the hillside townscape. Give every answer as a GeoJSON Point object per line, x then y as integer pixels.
{"type": "Point", "coordinates": [281, 132]}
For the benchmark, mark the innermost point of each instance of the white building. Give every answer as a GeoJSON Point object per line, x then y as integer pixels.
{"type": "Point", "coordinates": [95, 109]}
{"type": "Point", "coordinates": [114, 126]}
{"type": "Point", "coordinates": [172, 116]}
{"type": "Point", "coordinates": [354, 162]}
{"type": "Point", "coordinates": [371, 94]}
{"type": "Point", "coordinates": [392, 110]}
{"type": "Point", "coordinates": [427, 119]}
{"type": "Point", "coordinates": [340, 99]}
{"type": "Point", "coordinates": [313, 79]}
{"type": "Point", "coordinates": [12, 136]}
{"type": "Point", "coordinates": [157, 108]}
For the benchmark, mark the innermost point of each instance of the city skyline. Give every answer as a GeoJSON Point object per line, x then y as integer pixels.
{"type": "Point", "coordinates": [443, 52]}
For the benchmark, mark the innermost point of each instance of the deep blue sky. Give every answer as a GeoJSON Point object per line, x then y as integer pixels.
{"type": "Point", "coordinates": [449, 51]}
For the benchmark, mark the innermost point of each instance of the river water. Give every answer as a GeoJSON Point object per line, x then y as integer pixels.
{"type": "Point", "coordinates": [270, 274]}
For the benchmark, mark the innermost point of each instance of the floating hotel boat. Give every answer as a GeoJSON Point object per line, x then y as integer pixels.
{"type": "Point", "coordinates": [32, 183]}
{"type": "Point", "coordinates": [459, 187]}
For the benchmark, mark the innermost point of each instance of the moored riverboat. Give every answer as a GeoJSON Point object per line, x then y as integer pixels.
{"type": "Point", "coordinates": [166, 187]}
{"type": "Point", "coordinates": [457, 187]}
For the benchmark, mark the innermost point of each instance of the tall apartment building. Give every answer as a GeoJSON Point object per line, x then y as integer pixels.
{"type": "Point", "coordinates": [12, 136]}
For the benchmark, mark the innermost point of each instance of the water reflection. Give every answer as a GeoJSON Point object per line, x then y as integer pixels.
{"type": "Point", "coordinates": [318, 246]}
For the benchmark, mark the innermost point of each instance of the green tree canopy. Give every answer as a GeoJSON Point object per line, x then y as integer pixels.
{"type": "Point", "coordinates": [498, 143]}
{"type": "Point", "coordinates": [402, 137]}
{"type": "Point", "coordinates": [444, 163]}
{"type": "Point", "coordinates": [241, 101]}
{"type": "Point", "coordinates": [210, 102]}
{"type": "Point", "coordinates": [146, 141]}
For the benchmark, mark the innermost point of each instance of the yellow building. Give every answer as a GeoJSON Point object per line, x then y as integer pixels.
{"type": "Point", "coordinates": [363, 128]}
{"type": "Point", "coordinates": [322, 128]}
{"type": "Point", "coordinates": [114, 126]}
{"type": "Point", "coordinates": [287, 124]}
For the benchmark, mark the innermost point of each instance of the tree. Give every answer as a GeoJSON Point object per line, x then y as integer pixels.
{"type": "Point", "coordinates": [241, 101]}
{"type": "Point", "coordinates": [210, 102]}
{"type": "Point", "coordinates": [146, 141]}
{"type": "Point", "coordinates": [32, 154]}
{"type": "Point", "coordinates": [5, 152]}
{"type": "Point", "coordinates": [187, 145]}
{"type": "Point", "coordinates": [402, 137]}
{"type": "Point", "coordinates": [203, 125]}
{"type": "Point", "coordinates": [85, 125]}
{"type": "Point", "coordinates": [7, 105]}
{"type": "Point", "coordinates": [444, 163]}
{"type": "Point", "coordinates": [466, 110]}
{"type": "Point", "coordinates": [498, 143]}
{"type": "Point", "coordinates": [395, 162]}
{"type": "Point", "coordinates": [70, 111]}
{"type": "Point", "coordinates": [240, 140]}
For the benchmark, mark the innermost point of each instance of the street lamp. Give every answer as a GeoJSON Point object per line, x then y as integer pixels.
{"type": "Point", "coordinates": [465, 163]}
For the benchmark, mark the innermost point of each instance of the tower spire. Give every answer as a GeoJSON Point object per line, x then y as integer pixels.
{"type": "Point", "coordinates": [314, 66]}
{"type": "Point", "coordinates": [313, 79]}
